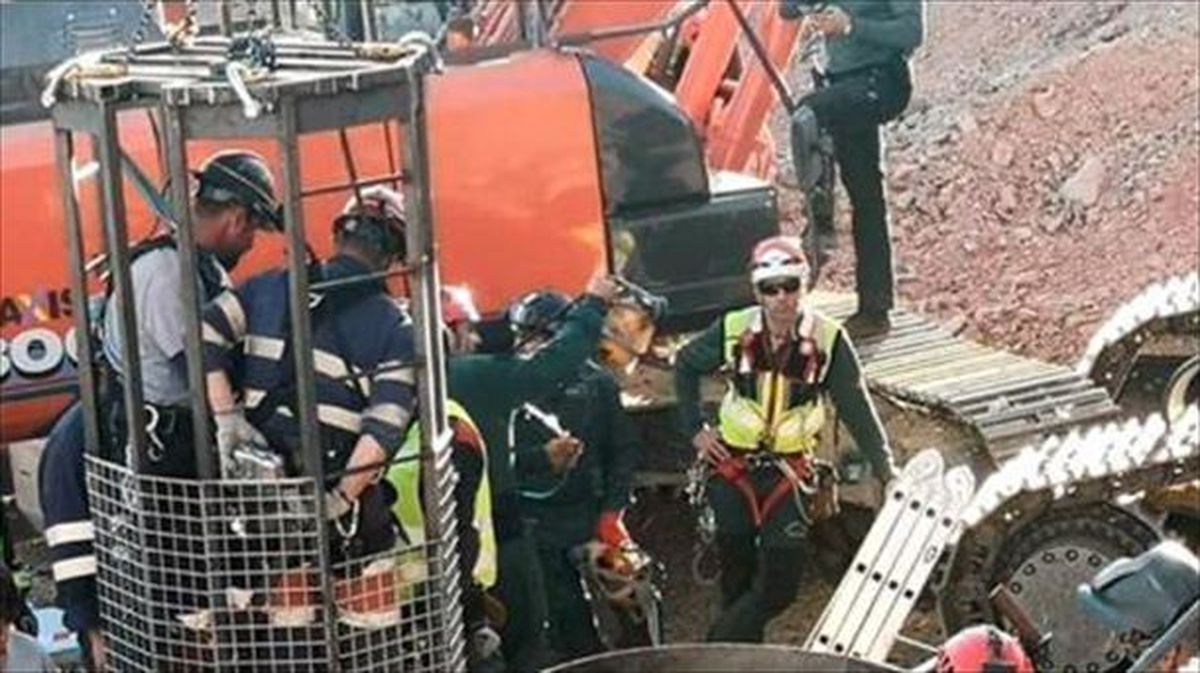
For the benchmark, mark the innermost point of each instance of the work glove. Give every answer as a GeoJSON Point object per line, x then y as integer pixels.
{"type": "Point", "coordinates": [611, 530]}
{"type": "Point", "coordinates": [233, 431]}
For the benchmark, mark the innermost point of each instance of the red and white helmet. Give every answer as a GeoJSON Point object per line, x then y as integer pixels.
{"type": "Point", "coordinates": [385, 200]}
{"type": "Point", "coordinates": [983, 649]}
{"type": "Point", "coordinates": [458, 305]}
{"type": "Point", "coordinates": [778, 257]}
{"type": "Point", "coordinates": [375, 215]}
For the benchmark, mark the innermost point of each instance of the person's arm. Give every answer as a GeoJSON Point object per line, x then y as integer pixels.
{"type": "Point", "coordinates": [905, 30]}
{"type": "Point", "coordinates": [388, 413]}
{"type": "Point", "coordinates": [849, 391]}
{"type": "Point", "coordinates": [223, 328]}
{"type": "Point", "coordinates": [561, 357]}
{"type": "Point", "coordinates": [532, 459]}
{"type": "Point", "coordinates": [698, 358]}
{"type": "Point", "coordinates": [69, 532]}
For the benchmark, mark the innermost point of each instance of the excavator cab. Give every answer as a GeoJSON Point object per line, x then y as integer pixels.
{"type": "Point", "coordinates": [596, 167]}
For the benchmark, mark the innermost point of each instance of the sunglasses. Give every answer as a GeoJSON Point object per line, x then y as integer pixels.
{"type": "Point", "coordinates": [770, 289]}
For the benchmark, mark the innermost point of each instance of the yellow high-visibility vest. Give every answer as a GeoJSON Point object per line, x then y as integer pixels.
{"type": "Point", "coordinates": [748, 424]}
{"type": "Point", "coordinates": [405, 477]}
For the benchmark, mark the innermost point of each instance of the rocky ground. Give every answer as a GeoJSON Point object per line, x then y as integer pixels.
{"type": "Point", "coordinates": [1046, 169]}
{"type": "Point", "coordinates": [1045, 172]}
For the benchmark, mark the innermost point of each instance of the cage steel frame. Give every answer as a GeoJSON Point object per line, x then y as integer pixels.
{"type": "Point", "coordinates": [200, 574]}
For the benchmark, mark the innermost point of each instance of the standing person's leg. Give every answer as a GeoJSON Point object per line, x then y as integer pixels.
{"type": "Point", "coordinates": [813, 155]}
{"type": "Point", "coordinates": [572, 634]}
{"type": "Point", "coordinates": [858, 150]}
{"type": "Point", "coordinates": [873, 99]}
{"type": "Point", "coordinates": [737, 549]}
{"type": "Point", "coordinates": [777, 574]}
{"type": "Point", "coordinates": [521, 588]}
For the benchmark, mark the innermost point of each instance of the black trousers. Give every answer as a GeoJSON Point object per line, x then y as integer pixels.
{"type": "Point", "coordinates": [761, 566]}
{"type": "Point", "coordinates": [851, 107]}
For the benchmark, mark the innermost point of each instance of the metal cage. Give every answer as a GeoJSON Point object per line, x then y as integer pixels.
{"type": "Point", "coordinates": [212, 574]}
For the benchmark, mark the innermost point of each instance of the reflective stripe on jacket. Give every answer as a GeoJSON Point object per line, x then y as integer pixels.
{"type": "Point", "coordinates": [775, 404]}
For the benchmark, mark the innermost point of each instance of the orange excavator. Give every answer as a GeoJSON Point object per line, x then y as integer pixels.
{"type": "Point", "coordinates": [565, 136]}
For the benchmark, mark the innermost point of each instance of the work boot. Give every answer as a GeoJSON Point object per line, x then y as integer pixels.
{"type": "Point", "coordinates": [868, 323]}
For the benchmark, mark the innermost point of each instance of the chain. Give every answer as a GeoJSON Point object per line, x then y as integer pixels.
{"type": "Point", "coordinates": [331, 30]}
{"type": "Point", "coordinates": [251, 15]}
{"type": "Point", "coordinates": [178, 36]}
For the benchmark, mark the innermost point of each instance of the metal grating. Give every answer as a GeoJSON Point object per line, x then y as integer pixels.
{"type": "Point", "coordinates": [212, 575]}
{"type": "Point", "coordinates": [1007, 398]}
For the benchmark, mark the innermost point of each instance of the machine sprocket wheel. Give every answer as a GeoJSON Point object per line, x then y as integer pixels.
{"type": "Point", "coordinates": [1183, 389]}
{"type": "Point", "coordinates": [1045, 561]}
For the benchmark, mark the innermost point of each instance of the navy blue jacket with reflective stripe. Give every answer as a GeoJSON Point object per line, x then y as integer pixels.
{"type": "Point", "coordinates": [361, 337]}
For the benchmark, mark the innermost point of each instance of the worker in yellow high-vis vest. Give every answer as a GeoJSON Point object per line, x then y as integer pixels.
{"type": "Point", "coordinates": [785, 363]}
{"type": "Point", "coordinates": [472, 492]}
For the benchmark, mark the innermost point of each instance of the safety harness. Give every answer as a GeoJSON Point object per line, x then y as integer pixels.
{"type": "Point", "coordinates": [770, 416]}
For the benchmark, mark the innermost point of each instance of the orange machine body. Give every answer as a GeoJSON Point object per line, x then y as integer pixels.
{"type": "Point", "coordinates": [545, 166]}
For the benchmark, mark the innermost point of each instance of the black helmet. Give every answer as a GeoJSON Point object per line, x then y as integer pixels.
{"type": "Point", "coordinates": [537, 314]}
{"type": "Point", "coordinates": [375, 217]}
{"type": "Point", "coordinates": [241, 177]}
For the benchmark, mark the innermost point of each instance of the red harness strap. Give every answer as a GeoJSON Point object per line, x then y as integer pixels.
{"type": "Point", "coordinates": [735, 471]}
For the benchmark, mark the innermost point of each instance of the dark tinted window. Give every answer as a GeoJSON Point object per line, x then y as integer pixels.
{"type": "Point", "coordinates": [37, 34]}
{"type": "Point", "coordinates": [650, 154]}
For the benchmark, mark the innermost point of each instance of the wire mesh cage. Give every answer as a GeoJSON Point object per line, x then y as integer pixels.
{"type": "Point", "coordinates": [224, 575]}
{"type": "Point", "coordinates": [203, 573]}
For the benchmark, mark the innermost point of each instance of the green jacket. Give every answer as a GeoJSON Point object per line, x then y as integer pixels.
{"type": "Point", "coordinates": [844, 384]}
{"type": "Point", "coordinates": [492, 385]}
{"type": "Point", "coordinates": [566, 507]}
{"type": "Point", "coordinates": [881, 31]}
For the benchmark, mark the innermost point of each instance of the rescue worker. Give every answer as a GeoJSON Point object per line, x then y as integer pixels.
{"type": "Point", "coordinates": [492, 385]}
{"type": "Point", "coordinates": [783, 362]}
{"type": "Point", "coordinates": [864, 83]}
{"type": "Point", "coordinates": [233, 199]}
{"type": "Point", "coordinates": [356, 328]}
{"type": "Point", "coordinates": [574, 486]}
{"type": "Point", "coordinates": [472, 491]}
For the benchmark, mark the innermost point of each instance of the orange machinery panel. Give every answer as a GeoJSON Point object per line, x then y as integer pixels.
{"type": "Point", "coordinates": [516, 186]}
{"type": "Point", "coordinates": [597, 15]}
{"type": "Point", "coordinates": [37, 358]}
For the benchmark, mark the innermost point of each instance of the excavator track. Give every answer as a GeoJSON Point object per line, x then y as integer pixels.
{"type": "Point", "coordinates": [1063, 449]}
{"type": "Point", "coordinates": [1059, 453]}
{"type": "Point", "coordinates": [1004, 399]}
{"type": "Point", "coordinates": [1162, 324]}
{"type": "Point", "coordinates": [1047, 521]}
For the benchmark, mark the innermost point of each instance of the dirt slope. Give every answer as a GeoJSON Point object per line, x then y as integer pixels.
{"type": "Point", "coordinates": [1046, 170]}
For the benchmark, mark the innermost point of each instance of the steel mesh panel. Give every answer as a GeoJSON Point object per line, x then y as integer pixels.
{"type": "Point", "coordinates": [226, 575]}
